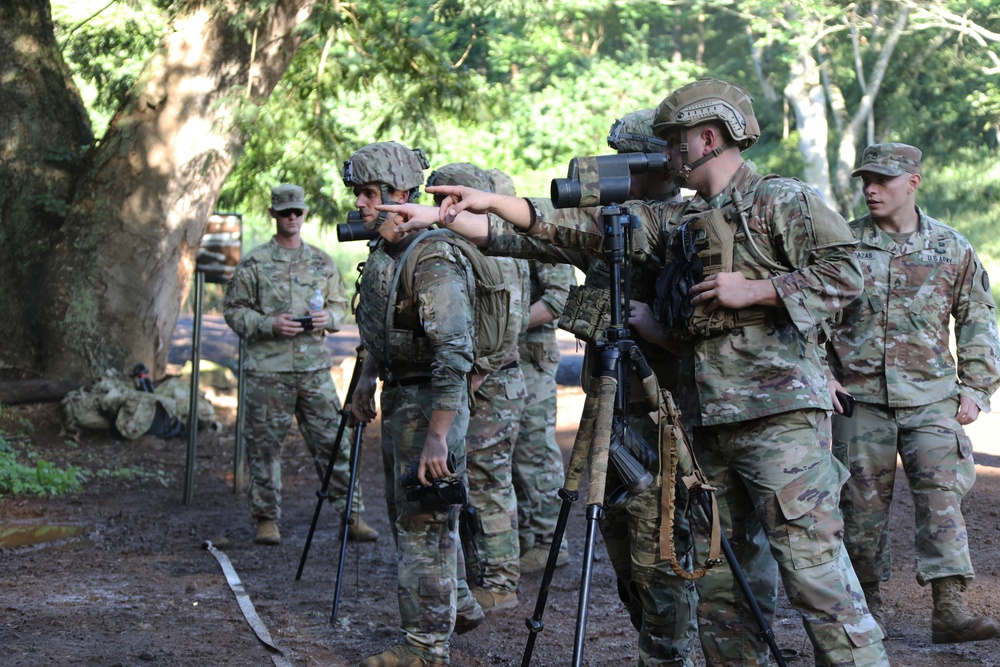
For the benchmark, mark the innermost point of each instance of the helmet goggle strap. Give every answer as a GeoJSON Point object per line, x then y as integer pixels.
{"type": "Point", "coordinates": [386, 201]}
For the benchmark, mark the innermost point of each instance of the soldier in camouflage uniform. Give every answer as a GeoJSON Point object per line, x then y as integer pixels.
{"type": "Point", "coordinates": [493, 429]}
{"type": "Point", "coordinates": [538, 461]}
{"type": "Point", "coordinates": [891, 353]}
{"type": "Point", "coordinates": [753, 306]}
{"type": "Point", "coordinates": [287, 366]}
{"type": "Point", "coordinates": [424, 362]}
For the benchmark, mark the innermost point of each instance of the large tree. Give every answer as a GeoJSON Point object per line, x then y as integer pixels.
{"type": "Point", "coordinates": [98, 240]}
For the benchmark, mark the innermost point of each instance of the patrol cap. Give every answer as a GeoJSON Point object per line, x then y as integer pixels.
{"type": "Point", "coordinates": [890, 160]}
{"type": "Point", "coordinates": [286, 196]}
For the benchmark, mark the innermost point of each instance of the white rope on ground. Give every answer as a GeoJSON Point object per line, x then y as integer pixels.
{"type": "Point", "coordinates": [246, 606]}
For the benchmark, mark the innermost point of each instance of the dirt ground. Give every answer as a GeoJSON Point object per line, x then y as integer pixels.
{"type": "Point", "coordinates": [136, 587]}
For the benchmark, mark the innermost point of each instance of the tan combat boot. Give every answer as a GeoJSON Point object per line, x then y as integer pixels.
{"type": "Point", "coordinates": [267, 532]}
{"type": "Point", "coordinates": [491, 600]}
{"type": "Point", "coordinates": [535, 558]}
{"type": "Point", "coordinates": [873, 597]}
{"type": "Point", "coordinates": [469, 617]}
{"type": "Point", "coordinates": [398, 656]}
{"type": "Point", "coordinates": [359, 531]}
{"type": "Point", "coordinates": [951, 622]}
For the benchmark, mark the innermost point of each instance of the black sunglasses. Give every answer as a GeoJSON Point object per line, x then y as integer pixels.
{"type": "Point", "coordinates": [291, 213]}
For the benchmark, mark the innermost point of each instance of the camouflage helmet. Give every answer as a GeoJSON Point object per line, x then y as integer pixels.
{"type": "Point", "coordinates": [386, 162]}
{"type": "Point", "coordinates": [461, 173]}
{"type": "Point", "coordinates": [633, 133]}
{"type": "Point", "coordinates": [502, 183]}
{"type": "Point", "coordinates": [708, 100]}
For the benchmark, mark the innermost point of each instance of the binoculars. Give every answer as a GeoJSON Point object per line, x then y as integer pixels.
{"type": "Point", "coordinates": [441, 494]}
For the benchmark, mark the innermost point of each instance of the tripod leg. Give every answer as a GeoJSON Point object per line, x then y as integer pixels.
{"type": "Point", "coordinates": [595, 499]}
{"type": "Point", "coordinates": [569, 494]}
{"type": "Point", "coordinates": [346, 523]}
{"type": "Point", "coordinates": [323, 494]}
{"type": "Point", "coordinates": [766, 634]}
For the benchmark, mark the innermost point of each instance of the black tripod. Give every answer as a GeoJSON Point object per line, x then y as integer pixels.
{"type": "Point", "coordinates": [604, 437]}
{"type": "Point", "coordinates": [322, 494]}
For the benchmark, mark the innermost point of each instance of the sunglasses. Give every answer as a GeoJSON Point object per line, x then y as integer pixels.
{"type": "Point", "coordinates": [291, 213]}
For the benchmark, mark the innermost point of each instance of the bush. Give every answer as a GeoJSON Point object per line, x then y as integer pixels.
{"type": "Point", "coordinates": [44, 479]}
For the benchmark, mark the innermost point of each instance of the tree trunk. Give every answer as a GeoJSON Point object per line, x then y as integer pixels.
{"type": "Point", "coordinates": [115, 278]}
{"type": "Point", "coordinates": [43, 130]}
{"type": "Point", "coordinates": [805, 95]}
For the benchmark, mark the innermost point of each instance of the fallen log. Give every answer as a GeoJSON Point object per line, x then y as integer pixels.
{"type": "Point", "coordinates": [39, 390]}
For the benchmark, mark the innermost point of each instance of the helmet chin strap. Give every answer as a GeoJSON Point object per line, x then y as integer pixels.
{"type": "Point", "coordinates": [382, 215]}
{"type": "Point", "coordinates": [687, 166]}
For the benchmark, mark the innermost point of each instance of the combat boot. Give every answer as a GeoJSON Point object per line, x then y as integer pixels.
{"type": "Point", "coordinates": [873, 597]}
{"type": "Point", "coordinates": [359, 531]}
{"type": "Point", "coordinates": [491, 600]}
{"type": "Point", "coordinates": [398, 656]}
{"type": "Point", "coordinates": [951, 622]}
{"type": "Point", "coordinates": [267, 532]}
{"type": "Point", "coordinates": [469, 617]}
{"type": "Point", "coordinates": [535, 558]}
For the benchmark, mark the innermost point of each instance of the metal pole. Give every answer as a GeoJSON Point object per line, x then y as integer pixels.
{"type": "Point", "coordinates": [239, 453]}
{"type": "Point", "coordinates": [192, 423]}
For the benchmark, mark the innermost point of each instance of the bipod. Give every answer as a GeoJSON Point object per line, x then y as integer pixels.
{"type": "Point", "coordinates": [322, 494]}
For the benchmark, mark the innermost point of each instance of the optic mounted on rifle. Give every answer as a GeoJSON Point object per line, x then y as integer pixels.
{"type": "Point", "coordinates": [602, 180]}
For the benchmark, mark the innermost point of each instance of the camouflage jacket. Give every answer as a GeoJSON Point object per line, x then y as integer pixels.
{"type": "Point", "coordinates": [892, 346]}
{"type": "Point", "coordinates": [272, 280]}
{"type": "Point", "coordinates": [549, 285]}
{"type": "Point", "coordinates": [762, 369]}
{"type": "Point", "coordinates": [437, 324]}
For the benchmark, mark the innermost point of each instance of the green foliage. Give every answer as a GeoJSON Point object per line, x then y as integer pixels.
{"type": "Point", "coordinates": [40, 479]}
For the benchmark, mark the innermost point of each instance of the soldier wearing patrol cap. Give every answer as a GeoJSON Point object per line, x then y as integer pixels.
{"type": "Point", "coordinates": [891, 353]}
{"type": "Point", "coordinates": [753, 305]}
{"type": "Point", "coordinates": [288, 364]}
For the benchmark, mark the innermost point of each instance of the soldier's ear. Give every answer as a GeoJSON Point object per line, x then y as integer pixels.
{"type": "Point", "coordinates": [915, 181]}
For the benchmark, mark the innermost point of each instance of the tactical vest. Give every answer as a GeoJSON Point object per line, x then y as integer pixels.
{"type": "Point", "coordinates": [702, 246]}
{"type": "Point", "coordinates": [373, 300]}
{"type": "Point", "coordinates": [587, 313]}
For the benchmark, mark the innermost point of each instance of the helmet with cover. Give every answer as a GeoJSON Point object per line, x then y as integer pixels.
{"type": "Point", "coordinates": [633, 133]}
{"type": "Point", "coordinates": [461, 173]}
{"type": "Point", "coordinates": [386, 162]}
{"type": "Point", "coordinates": [391, 165]}
{"type": "Point", "coordinates": [707, 100]}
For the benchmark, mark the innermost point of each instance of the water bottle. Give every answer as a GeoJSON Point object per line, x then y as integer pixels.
{"type": "Point", "coordinates": [316, 301]}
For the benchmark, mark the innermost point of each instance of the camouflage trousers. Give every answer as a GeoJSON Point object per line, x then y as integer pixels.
{"type": "Point", "coordinates": [661, 605]}
{"type": "Point", "coordinates": [937, 459]}
{"type": "Point", "coordinates": [493, 427]}
{"type": "Point", "coordinates": [538, 462]}
{"type": "Point", "coordinates": [426, 539]}
{"type": "Point", "coordinates": [781, 467]}
{"type": "Point", "coordinates": [272, 400]}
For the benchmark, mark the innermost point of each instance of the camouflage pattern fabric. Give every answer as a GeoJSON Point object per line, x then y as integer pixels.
{"type": "Point", "coordinates": [268, 281]}
{"type": "Point", "coordinates": [271, 280]}
{"type": "Point", "coordinates": [426, 540]}
{"type": "Point", "coordinates": [907, 400]}
{"type": "Point", "coordinates": [758, 386]}
{"type": "Point", "coordinates": [781, 467]}
{"type": "Point", "coordinates": [272, 399]}
{"type": "Point", "coordinates": [437, 321]}
{"type": "Point", "coordinates": [661, 605]}
{"type": "Point", "coordinates": [937, 458]}
{"type": "Point", "coordinates": [538, 462]}
{"type": "Point", "coordinates": [493, 428]}
{"type": "Point", "coordinates": [936, 274]}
